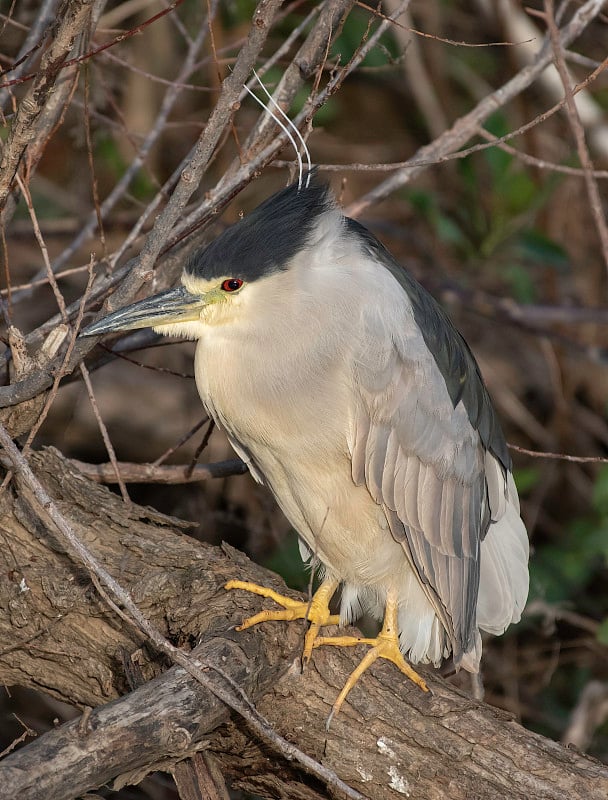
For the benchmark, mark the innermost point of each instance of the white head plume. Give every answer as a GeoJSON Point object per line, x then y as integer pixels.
{"type": "Point", "coordinates": [289, 129]}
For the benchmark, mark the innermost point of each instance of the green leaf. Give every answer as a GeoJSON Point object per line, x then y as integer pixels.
{"type": "Point", "coordinates": [421, 201]}
{"type": "Point", "coordinates": [108, 153]}
{"type": "Point", "coordinates": [448, 231]}
{"type": "Point", "coordinates": [515, 192]}
{"type": "Point", "coordinates": [599, 498]}
{"type": "Point", "coordinates": [537, 247]}
{"type": "Point", "coordinates": [602, 632]}
{"type": "Point", "coordinates": [286, 560]}
{"type": "Point", "coordinates": [526, 478]}
{"type": "Point", "coordinates": [522, 285]}
{"type": "Point", "coordinates": [498, 160]}
{"type": "Point", "coordinates": [446, 228]}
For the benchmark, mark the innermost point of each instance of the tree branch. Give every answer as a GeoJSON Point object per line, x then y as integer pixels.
{"type": "Point", "coordinates": [72, 19]}
{"type": "Point", "coordinates": [155, 473]}
{"type": "Point", "coordinates": [122, 603]}
{"type": "Point", "coordinates": [138, 271]}
{"type": "Point", "coordinates": [467, 125]}
{"type": "Point", "coordinates": [389, 740]}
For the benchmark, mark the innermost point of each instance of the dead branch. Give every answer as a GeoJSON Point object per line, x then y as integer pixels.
{"type": "Point", "coordinates": [122, 603]}
{"type": "Point", "coordinates": [171, 96]}
{"type": "Point", "coordinates": [590, 712]}
{"type": "Point", "coordinates": [72, 21]}
{"type": "Point", "coordinates": [155, 473]}
{"type": "Point", "coordinates": [138, 271]}
{"type": "Point", "coordinates": [388, 740]}
{"type": "Point", "coordinates": [578, 131]}
{"type": "Point", "coordinates": [465, 127]}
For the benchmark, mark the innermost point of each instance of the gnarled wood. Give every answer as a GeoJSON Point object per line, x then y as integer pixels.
{"type": "Point", "coordinates": [389, 741]}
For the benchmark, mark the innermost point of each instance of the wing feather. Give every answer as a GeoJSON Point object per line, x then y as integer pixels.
{"type": "Point", "coordinates": [375, 461]}
{"type": "Point", "coordinates": [430, 491]}
{"type": "Point", "coordinates": [391, 471]}
{"type": "Point", "coordinates": [358, 448]}
{"type": "Point", "coordinates": [423, 461]}
{"type": "Point", "coordinates": [407, 503]}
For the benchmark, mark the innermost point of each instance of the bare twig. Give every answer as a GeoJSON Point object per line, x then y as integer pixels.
{"type": "Point", "coordinates": [578, 131]}
{"type": "Point", "coordinates": [60, 373]}
{"type": "Point", "coordinates": [314, 50]}
{"type": "Point", "coordinates": [34, 284]}
{"type": "Point", "coordinates": [120, 597]}
{"type": "Point", "coordinates": [65, 361]}
{"type": "Point", "coordinates": [188, 435]}
{"type": "Point", "coordinates": [91, 163]}
{"type": "Point", "coordinates": [104, 433]}
{"type": "Point", "coordinates": [171, 97]}
{"type": "Point", "coordinates": [96, 51]}
{"type": "Point", "coordinates": [559, 456]}
{"type": "Point", "coordinates": [199, 157]}
{"type": "Point", "coordinates": [134, 273]}
{"type": "Point", "coordinates": [154, 473]}
{"type": "Point", "coordinates": [27, 731]}
{"type": "Point", "coordinates": [203, 444]}
{"type": "Point", "coordinates": [434, 37]}
{"type": "Point", "coordinates": [417, 76]}
{"type": "Point", "coordinates": [31, 43]}
{"type": "Point", "coordinates": [43, 249]}
{"type": "Point", "coordinates": [493, 141]}
{"type": "Point", "coordinates": [465, 126]}
{"type": "Point", "coordinates": [518, 21]}
{"type": "Point", "coordinates": [72, 22]}
{"type": "Point", "coordinates": [540, 163]}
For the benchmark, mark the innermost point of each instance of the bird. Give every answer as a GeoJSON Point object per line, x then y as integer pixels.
{"type": "Point", "coordinates": [348, 392]}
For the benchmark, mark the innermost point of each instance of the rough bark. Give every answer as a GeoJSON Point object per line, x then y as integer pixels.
{"type": "Point", "coordinates": [57, 635]}
{"type": "Point", "coordinates": [72, 20]}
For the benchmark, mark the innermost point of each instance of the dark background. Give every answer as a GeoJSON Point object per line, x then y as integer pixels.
{"type": "Point", "coordinates": [499, 239]}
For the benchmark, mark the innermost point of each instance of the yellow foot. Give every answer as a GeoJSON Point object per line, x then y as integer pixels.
{"type": "Point", "coordinates": [316, 611]}
{"type": "Point", "coordinates": [385, 645]}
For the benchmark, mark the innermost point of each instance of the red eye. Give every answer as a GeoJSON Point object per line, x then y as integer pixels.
{"type": "Point", "coordinates": [232, 284]}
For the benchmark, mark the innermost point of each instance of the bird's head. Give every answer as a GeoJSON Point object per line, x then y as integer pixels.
{"type": "Point", "coordinates": [228, 280]}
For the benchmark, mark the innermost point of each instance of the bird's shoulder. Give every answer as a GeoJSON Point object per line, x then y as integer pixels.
{"type": "Point", "coordinates": [447, 347]}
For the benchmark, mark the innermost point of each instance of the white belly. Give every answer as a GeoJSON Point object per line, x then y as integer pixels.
{"type": "Point", "coordinates": [308, 469]}
{"type": "Point", "coordinates": [306, 466]}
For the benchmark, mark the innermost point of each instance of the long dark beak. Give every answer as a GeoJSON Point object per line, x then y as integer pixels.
{"type": "Point", "coordinates": [175, 305]}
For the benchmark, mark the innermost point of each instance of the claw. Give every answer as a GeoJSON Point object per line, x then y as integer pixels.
{"type": "Point", "coordinates": [385, 645]}
{"type": "Point", "coordinates": [316, 611]}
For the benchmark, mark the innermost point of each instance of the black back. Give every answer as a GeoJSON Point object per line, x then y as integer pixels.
{"type": "Point", "coordinates": [268, 238]}
{"type": "Point", "coordinates": [452, 354]}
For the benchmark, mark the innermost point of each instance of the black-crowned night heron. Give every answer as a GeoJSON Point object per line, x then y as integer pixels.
{"type": "Point", "coordinates": [348, 392]}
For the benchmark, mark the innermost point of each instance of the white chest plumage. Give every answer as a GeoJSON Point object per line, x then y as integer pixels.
{"type": "Point", "coordinates": [348, 392]}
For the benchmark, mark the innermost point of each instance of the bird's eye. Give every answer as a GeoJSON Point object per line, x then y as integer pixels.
{"type": "Point", "coordinates": [232, 284]}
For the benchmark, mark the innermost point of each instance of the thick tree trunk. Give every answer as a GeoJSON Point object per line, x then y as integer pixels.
{"type": "Point", "coordinates": [56, 634]}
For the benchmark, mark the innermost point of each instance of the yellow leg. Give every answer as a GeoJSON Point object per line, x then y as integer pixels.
{"type": "Point", "coordinates": [385, 645]}
{"type": "Point", "coordinates": [316, 611]}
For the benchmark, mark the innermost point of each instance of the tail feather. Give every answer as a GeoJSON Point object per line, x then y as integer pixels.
{"type": "Point", "coordinates": [504, 579]}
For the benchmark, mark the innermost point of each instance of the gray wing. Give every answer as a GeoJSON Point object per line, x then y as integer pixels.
{"type": "Point", "coordinates": [451, 352]}
{"type": "Point", "coordinates": [420, 451]}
